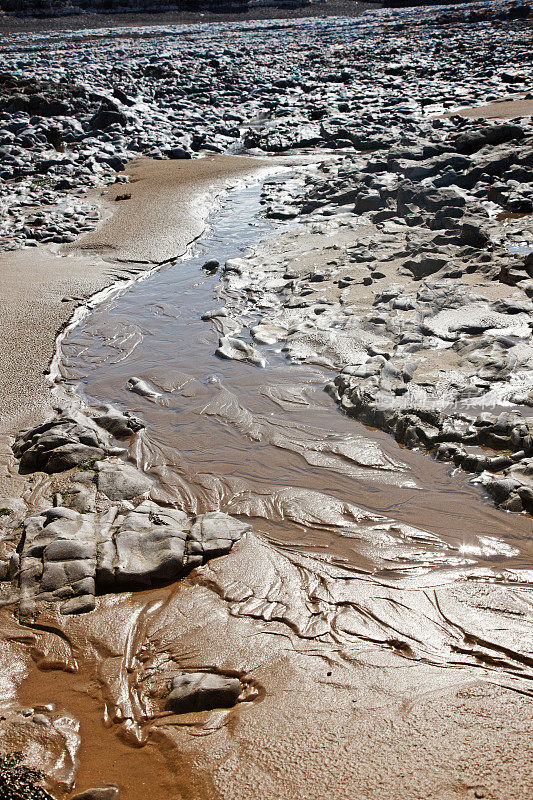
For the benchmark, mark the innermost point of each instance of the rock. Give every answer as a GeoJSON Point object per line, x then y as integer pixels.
{"type": "Point", "coordinates": [211, 266]}
{"type": "Point", "coordinates": [423, 266]}
{"type": "Point", "coordinates": [238, 350]}
{"type": "Point", "coordinates": [474, 236]}
{"type": "Point", "coordinates": [369, 201]}
{"type": "Point", "coordinates": [104, 119]}
{"type": "Point", "coordinates": [68, 557]}
{"type": "Point", "coordinates": [105, 793]}
{"type": "Point", "coordinates": [142, 388]}
{"type": "Point", "coordinates": [513, 503]}
{"type": "Point", "coordinates": [121, 426]}
{"type": "Point", "coordinates": [202, 691]}
{"type": "Point", "coordinates": [79, 605]}
{"type": "Point", "coordinates": [472, 141]}
{"type": "Point", "coordinates": [178, 153]}
{"type": "Point", "coordinates": [214, 534]}
{"type": "Point", "coordinates": [121, 481]}
{"type": "Point", "coordinates": [57, 445]}
{"type": "Point", "coordinates": [501, 488]}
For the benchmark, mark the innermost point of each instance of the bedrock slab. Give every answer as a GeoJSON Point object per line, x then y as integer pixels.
{"type": "Point", "coordinates": [69, 557]}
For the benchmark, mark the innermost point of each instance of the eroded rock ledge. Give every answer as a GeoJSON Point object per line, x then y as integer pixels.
{"type": "Point", "coordinates": [69, 557]}
{"type": "Point", "coordinates": [102, 534]}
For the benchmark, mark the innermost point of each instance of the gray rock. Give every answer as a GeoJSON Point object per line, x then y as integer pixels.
{"type": "Point", "coordinates": [70, 556]}
{"type": "Point", "coordinates": [423, 266]}
{"type": "Point", "coordinates": [121, 426]}
{"type": "Point", "coordinates": [57, 445]}
{"type": "Point", "coordinates": [202, 691]}
{"type": "Point", "coordinates": [79, 605]}
{"type": "Point", "coordinates": [105, 118]}
{"type": "Point", "coordinates": [179, 153]}
{"type": "Point", "coordinates": [238, 350]}
{"type": "Point", "coordinates": [473, 235]}
{"type": "Point", "coordinates": [121, 481]}
{"type": "Point", "coordinates": [142, 388]}
{"type": "Point", "coordinates": [105, 793]}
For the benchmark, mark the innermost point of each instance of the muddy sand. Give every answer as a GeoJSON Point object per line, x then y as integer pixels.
{"type": "Point", "coordinates": [167, 211]}
{"type": "Point", "coordinates": [214, 584]}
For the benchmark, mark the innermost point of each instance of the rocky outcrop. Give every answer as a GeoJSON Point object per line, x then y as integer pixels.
{"type": "Point", "coordinates": [67, 440]}
{"type": "Point", "coordinates": [56, 446]}
{"type": "Point", "coordinates": [68, 557]}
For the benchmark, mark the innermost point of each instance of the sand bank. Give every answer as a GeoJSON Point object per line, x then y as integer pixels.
{"type": "Point", "coordinates": [501, 109]}
{"type": "Point", "coordinates": [164, 208]}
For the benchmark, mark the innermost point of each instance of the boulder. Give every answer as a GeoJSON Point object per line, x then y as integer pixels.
{"type": "Point", "coordinates": [104, 119]}
{"type": "Point", "coordinates": [473, 235]}
{"type": "Point", "coordinates": [202, 691]}
{"type": "Point", "coordinates": [57, 445]}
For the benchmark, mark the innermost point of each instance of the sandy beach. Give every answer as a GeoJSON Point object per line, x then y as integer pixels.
{"type": "Point", "coordinates": [504, 109]}
{"type": "Point", "coordinates": [269, 533]}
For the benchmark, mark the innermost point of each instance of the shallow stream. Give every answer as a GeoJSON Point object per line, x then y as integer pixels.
{"type": "Point", "coordinates": [270, 444]}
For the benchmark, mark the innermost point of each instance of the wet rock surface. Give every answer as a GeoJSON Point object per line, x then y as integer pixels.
{"type": "Point", "coordinates": [440, 360]}
{"type": "Point", "coordinates": [200, 691]}
{"type": "Point", "coordinates": [68, 557]}
{"type": "Point", "coordinates": [72, 116]}
{"type": "Point", "coordinates": [39, 745]}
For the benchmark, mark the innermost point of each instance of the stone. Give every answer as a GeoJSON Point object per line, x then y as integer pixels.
{"type": "Point", "coordinates": [68, 556]}
{"type": "Point", "coordinates": [121, 481]}
{"type": "Point", "coordinates": [122, 426]}
{"type": "Point", "coordinates": [473, 235]}
{"type": "Point", "coordinates": [104, 119]}
{"type": "Point", "coordinates": [179, 153]}
{"type": "Point", "coordinates": [211, 266]}
{"type": "Point", "coordinates": [57, 445]}
{"type": "Point", "coordinates": [238, 350]}
{"type": "Point", "coordinates": [105, 793]}
{"type": "Point", "coordinates": [140, 387]}
{"type": "Point", "coordinates": [79, 605]}
{"type": "Point", "coordinates": [202, 691]}
{"type": "Point", "coordinates": [423, 266]}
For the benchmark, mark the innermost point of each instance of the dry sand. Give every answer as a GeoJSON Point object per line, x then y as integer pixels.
{"type": "Point", "coordinates": [501, 109]}
{"type": "Point", "coordinates": [40, 288]}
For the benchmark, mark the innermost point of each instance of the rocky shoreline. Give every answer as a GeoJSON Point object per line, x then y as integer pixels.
{"type": "Point", "coordinates": [428, 316]}
{"type": "Point", "coordinates": [408, 275]}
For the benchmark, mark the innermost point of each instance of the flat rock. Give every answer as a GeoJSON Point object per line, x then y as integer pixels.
{"type": "Point", "coordinates": [121, 481]}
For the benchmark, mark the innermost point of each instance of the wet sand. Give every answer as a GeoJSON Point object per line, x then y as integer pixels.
{"type": "Point", "coordinates": [364, 687]}
{"type": "Point", "coordinates": [337, 8]}
{"type": "Point", "coordinates": [164, 209]}
{"type": "Point", "coordinates": [169, 195]}
{"type": "Point", "coordinates": [363, 718]}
